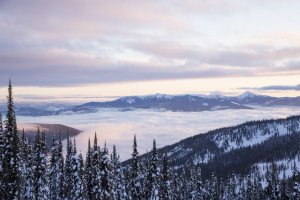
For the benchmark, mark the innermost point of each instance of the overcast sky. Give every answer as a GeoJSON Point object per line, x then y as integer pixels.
{"type": "Point", "coordinates": [74, 48]}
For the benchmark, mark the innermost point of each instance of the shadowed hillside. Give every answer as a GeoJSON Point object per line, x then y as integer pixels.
{"type": "Point", "coordinates": [30, 130]}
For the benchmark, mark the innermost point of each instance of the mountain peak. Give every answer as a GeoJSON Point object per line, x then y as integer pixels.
{"type": "Point", "coordinates": [246, 94]}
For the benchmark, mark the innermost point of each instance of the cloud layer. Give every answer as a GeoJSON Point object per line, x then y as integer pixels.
{"type": "Point", "coordinates": [74, 42]}
{"type": "Point", "coordinates": [118, 128]}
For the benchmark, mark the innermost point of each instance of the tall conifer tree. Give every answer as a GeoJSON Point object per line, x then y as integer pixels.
{"type": "Point", "coordinates": [11, 162]}
{"type": "Point", "coordinates": [1, 154]}
{"type": "Point", "coordinates": [40, 170]}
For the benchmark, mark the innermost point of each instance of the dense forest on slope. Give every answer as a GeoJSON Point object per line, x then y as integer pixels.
{"type": "Point", "coordinates": [237, 148]}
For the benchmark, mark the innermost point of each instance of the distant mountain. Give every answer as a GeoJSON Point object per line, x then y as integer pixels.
{"type": "Point", "coordinates": [239, 149]}
{"type": "Point", "coordinates": [249, 98]}
{"type": "Point", "coordinates": [180, 103]}
{"type": "Point", "coordinates": [162, 102]}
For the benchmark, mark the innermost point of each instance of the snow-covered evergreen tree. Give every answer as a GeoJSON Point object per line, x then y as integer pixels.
{"type": "Point", "coordinates": [1, 154]}
{"type": "Point", "coordinates": [135, 185]}
{"type": "Point", "coordinates": [105, 174]}
{"type": "Point", "coordinates": [96, 171]}
{"type": "Point", "coordinates": [295, 182]}
{"type": "Point", "coordinates": [68, 169]}
{"type": "Point", "coordinates": [165, 182]}
{"type": "Point", "coordinates": [249, 189]}
{"type": "Point", "coordinates": [40, 169]}
{"type": "Point", "coordinates": [153, 174]}
{"type": "Point", "coordinates": [283, 188]}
{"type": "Point", "coordinates": [82, 187]}
{"type": "Point", "coordinates": [28, 188]}
{"type": "Point", "coordinates": [89, 172]}
{"type": "Point", "coordinates": [117, 177]}
{"type": "Point", "coordinates": [53, 169]}
{"type": "Point", "coordinates": [11, 158]}
{"type": "Point", "coordinates": [76, 182]}
{"type": "Point", "coordinates": [60, 171]}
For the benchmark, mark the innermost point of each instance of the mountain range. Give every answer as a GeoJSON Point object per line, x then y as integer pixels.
{"type": "Point", "coordinates": [163, 102]}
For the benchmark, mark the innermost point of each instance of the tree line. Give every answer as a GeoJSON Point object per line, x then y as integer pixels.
{"type": "Point", "coordinates": [31, 170]}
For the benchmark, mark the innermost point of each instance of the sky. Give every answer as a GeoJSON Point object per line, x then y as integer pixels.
{"type": "Point", "coordinates": [78, 51]}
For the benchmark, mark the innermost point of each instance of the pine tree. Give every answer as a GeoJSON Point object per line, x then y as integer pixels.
{"type": "Point", "coordinates": [1, 154]}
{"type": "Point", "coordinates": [135, 183]}
{"type": "Point", "coordinates": [165, 183]}
{"type": "Point", "coordinates": [53, 169]}
{"type": "Point", "coordinates": [295, 182]}
{"type": "Point", "coordinates": [232, 187]}
{"type": "Point", "coordinates": [96, 172]}
{"type": "Point", "coordinates": [283, 188]}
{"type": "Point", "coordinates": [11, 161]}
{"type": "Point", "coordinates": [153, 175]}
{"type": "Point", "coordinates": [117, 177]}
{"type": "Point", "coordinates": [249, 189]}
{"type": "Point", "coordinates": [40, 171]}
{"type": "Point", "coordinates": [275, 180]}
{"type": "Point", "coordinates": [60, 171]}
{"type": "Point", "coordinates": [68, 170]}
{"type": "Point", "coordinates": [105, 171]}
{"type": "Point", "coordinates": [76, 181]}
{"type": "Point", "coordinates": [82, 187]}
{"type": "Point", "coordinates": [214, 187]}
{"type": "Point", "coordinates": [28, 175]}
{"type": "Point", "coordinates": [89, 172]}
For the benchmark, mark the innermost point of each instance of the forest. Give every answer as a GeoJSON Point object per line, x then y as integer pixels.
{"type": "Point", "coordinates": [32, 170]}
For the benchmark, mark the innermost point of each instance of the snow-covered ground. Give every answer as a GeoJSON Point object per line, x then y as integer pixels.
{"type": "Point", "coordinates": [118, 128]}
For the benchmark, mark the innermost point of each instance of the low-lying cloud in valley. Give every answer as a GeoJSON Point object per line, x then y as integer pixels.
{"type": "Point", "coordinates": [115, 127]}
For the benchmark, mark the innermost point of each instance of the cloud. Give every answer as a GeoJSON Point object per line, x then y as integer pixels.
{"type": "Point", "coordinates": [280, 87]}
{"type": "Point", "coordinates": [74, 42]}
{"type": "Point", "coordinates": [118, 128]}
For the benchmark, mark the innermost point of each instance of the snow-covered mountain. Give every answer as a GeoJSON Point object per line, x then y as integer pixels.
{"type": "Point", "coordinates": [163, 102]}
{"type": "Point", "coordinates": [240, 148]}
{"type": "Point", "coordinates": [180, 103]}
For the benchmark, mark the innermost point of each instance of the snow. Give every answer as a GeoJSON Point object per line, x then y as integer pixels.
{"type": "Point", "coordinates": [204, 104]}
{"type": "Point", "coordinates": [131, 100]}
{"type": "Point", "coordinates": [218, 108]}
{"type": "Point", "coordinates": [157, 96]}
{"type": "Point", "coordinates": [287, 163]}
{"type": "Point", "coordinates": [245, 95]}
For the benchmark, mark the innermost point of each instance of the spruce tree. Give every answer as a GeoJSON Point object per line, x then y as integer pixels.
{"type": "Point", "coordinates": [76, 181]}
{"type": "Point", "coordinates": [295, 182]}
{"type": "Point", "coordinates": [11, 161]}
{"type": "Point", "coordinates": [105, 173]}
{"type": "Point", "coordinates": [283, 188]}
{"type": "Point", "coordinates": [165, 183]}
{"type": "Point", "coordinates": [68, 169]}
{"type": "Point", "coordinates": [82, 186]}
{"type": "Point", "coordinates": [135, 183]}
{"type": "Point", "coordinates": [89, 172]}
{"type": "Point", "coordinates": [1, 154]}
{"type": "Point", "coordinates": [153, 175]}
{"type": "Point", "coordinates": [275, 180]}
{"type": "Point", "coordinates": [60, 171]}
{"type": "Point", "coordinates": [56, 171]}
{"type": "Point", "coordinates": [40, 169]}
{"type": "Point", "coordinates": [96, 173]}
{"type": "Point", "coordinates": [249, 188]}
{"type": "Point", "coordinates": [53, 169]}
{"type": "Point", "coordinates": [28, 175]}
{"type": "Point", "coordinates": [118, 177]}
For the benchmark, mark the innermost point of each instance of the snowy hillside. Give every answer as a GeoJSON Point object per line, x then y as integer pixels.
{"type": "Point", "coordinates": [238, 148]}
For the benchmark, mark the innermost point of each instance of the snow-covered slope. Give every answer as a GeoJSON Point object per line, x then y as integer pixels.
{"type": "Point", "coordinates": [240, 147]}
